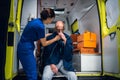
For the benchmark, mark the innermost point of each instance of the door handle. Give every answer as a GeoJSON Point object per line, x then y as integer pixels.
{"type": "Point", "coordinates": [118, 28]}
{"type": "Point", "coordinates": [112, 35]}
{"type": "Point", "coordinates": [11, 24]}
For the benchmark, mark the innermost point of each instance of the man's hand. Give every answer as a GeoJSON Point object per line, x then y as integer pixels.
{"type": "Point", "coordinates": [54, 68]}
{"type": "Point", "coordinates": [63, 37]}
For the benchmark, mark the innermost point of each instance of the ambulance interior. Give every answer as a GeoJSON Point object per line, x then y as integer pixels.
{"type": "Point", "coordinates": [96, 42]}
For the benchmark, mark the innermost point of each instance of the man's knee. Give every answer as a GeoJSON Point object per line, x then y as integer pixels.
{"type": "Point", "coordinates": [46, 77]}
{"type": "Point", "coordinates": [72, 76]}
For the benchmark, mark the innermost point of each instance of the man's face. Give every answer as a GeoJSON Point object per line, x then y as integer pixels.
{"type": "Point", "coordinates": [59, 27]}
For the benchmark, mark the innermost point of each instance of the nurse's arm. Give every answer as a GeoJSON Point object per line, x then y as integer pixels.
{"type": "Point", "coordinates": [44, 42]}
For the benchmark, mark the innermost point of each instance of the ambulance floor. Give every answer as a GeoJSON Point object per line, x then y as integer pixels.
{"type": "Point", "coordinates": [23, 77]}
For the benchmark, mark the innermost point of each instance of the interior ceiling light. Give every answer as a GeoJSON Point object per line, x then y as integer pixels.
{"type": "Point", "coordinates": [59, 11]}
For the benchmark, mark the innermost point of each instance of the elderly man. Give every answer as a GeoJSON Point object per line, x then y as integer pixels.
{"type": "Point", "coordinates": [58, 56]}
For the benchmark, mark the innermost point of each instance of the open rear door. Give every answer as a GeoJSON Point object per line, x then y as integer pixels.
{"type": "Point", "coordinates": [13, 35]}
{"type": "Point", "coordinates": [110, 25]}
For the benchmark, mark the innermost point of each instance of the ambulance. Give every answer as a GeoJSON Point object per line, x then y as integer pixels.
{"type": "Point", "coordinates": [93, 25]}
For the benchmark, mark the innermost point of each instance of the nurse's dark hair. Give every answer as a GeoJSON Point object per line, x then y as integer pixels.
{"type": "Point", "coordinates": [47, 13]}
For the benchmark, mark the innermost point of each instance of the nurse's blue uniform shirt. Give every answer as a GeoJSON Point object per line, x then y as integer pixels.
{"type": "Point", "coordinates": [33, 31]}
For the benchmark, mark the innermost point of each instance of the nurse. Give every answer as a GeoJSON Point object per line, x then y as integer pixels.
{"type": "Point", "coordinates": [34, 30]}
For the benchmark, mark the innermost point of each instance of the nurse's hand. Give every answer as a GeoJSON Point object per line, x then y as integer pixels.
{"type": "Point", "coordinates": [57, 37]}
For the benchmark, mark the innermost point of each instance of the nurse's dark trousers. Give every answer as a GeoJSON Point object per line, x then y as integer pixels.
{"type": "Point", "coordinates": [28, 62]}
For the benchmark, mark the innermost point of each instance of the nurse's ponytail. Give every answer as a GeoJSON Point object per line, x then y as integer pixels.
{"type": "Point", "coordinates": [47, 13]}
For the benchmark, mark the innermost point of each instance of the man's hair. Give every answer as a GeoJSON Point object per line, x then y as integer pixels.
{"type": "Point", "coordinates": [47, 13]}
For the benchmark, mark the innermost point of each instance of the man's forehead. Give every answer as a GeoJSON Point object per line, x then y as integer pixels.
{"type": "Point", "coordinates": [59, 23]}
